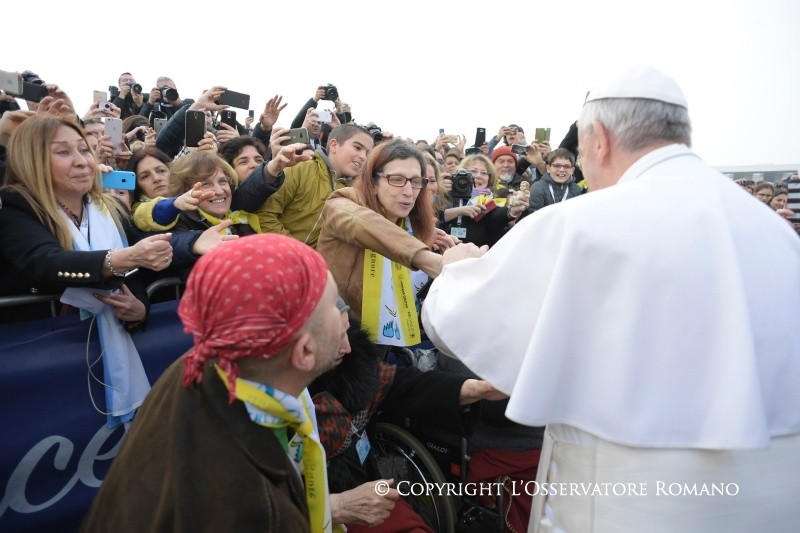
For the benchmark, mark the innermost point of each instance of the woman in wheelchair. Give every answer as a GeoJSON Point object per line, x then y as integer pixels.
{"type": "Point", "coordinates": [347, 399]}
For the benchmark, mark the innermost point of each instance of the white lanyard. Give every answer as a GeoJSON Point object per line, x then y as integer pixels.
{"type": "Point", "coordinates": [566, 191]}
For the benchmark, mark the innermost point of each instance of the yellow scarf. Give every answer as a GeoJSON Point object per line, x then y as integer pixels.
{"type": "Point", "coordinates": [312, 466]}
{"type": "Point", "coordinates": [388, 305]}
{"type": "Point", "coordinates": [236, 217]}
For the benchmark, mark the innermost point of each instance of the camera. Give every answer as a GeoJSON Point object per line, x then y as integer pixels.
{"type": "Point", "coordinates": [331, 92]}
{"type": "Point", "coordinates": [168, 93]}
{"type": "Point", "coordinates": [462, 184]}
{"type": "Point", "coordinates": [519, 149]}
{"type": "Point", "coordinates": [32, 77]}
{"type": "Point", "coordinates": [137, 88]}
{"type": "Point", "coordinates": [113, 91]}
{"type": "Point", "coordinates": [375, 131]}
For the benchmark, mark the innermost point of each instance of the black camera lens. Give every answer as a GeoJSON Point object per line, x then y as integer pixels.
{"type": "Point", "coordinates": [331, 92]}
{"type": "Point", "coordinates": [375, 132]}
{"type": "Point", "coordinates": [462, 184]}
{"type": "Point", "coordinates": [32, 77]}
{"type": "Point", "coordinates": [137, 88]}
{"type": "Point", "coordinates": [169, 94]}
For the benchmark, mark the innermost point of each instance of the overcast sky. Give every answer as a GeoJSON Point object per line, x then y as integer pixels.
{"type": "Point", "coordinates": [414, 67]}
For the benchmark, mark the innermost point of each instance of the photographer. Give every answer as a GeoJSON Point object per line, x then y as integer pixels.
{"type": "Point", "coordinates": [323, 92]}
{"type": "Point", "coordinates": [128, 95]}
{"type": "Point", "coordinates": [164, 99]}
{"type": "Point", "coordinates": [476, 215]}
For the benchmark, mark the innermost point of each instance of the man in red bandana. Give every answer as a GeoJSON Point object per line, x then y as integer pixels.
{"type": "Point", "coordinates": [226, 440]}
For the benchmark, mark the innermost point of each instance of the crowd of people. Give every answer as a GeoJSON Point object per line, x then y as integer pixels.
{"type": "Point", "coordinates": [350, 229]}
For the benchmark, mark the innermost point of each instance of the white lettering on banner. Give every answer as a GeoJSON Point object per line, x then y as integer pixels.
{"type": "Point", "coordinates": [15, 498]}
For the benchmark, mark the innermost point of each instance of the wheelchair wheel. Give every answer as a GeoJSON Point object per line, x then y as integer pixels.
{"type": "Point", "coordinates": [402, 457]}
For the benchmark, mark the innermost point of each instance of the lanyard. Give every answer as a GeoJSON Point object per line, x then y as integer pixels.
{"type": "Point", "coordinates": [566, 192]}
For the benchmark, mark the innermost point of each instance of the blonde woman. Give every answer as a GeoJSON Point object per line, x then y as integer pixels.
{"type": "Point", "coordinates": [61, 234]}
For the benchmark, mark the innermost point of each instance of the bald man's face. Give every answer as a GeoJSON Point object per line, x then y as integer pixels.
{"type": "Point", "coordinates": [344, 341]}
{"type": "Point", "coordinates": [328, 330]}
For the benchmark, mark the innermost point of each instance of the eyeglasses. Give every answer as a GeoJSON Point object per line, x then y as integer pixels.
{"type": "Point", "coordinates": [431, 181]}
{"type": "Point", "coordinates": [559, 166]}
{"type": "Point", "coordinates": [396, 180]}
{"type": "Point", "coordinates": [476, 172]}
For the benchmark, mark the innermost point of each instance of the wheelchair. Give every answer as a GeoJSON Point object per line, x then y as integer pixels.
{"type": "Point", "coordinates": [428, 453]}
{"type": "Point", "coordinates": [420, 455]}
{"type": "Point", "coordinates": [402, 456]}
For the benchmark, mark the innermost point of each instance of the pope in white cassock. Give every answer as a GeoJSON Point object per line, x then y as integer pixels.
{"type": "Point", "coordinates": [674, 405]}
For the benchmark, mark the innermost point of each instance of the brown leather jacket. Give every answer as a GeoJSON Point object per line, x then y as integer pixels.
{"type": "Point", "coordinates": [194, 462]}
{"type": "Point", "coordinates": [348, 228]}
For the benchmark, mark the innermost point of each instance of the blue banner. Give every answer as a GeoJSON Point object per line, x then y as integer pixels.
{"type": "Point", "coordinates": [56, 447]}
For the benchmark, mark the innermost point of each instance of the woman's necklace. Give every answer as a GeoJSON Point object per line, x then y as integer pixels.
{"type": "Point", "coordinates": [75, 219]}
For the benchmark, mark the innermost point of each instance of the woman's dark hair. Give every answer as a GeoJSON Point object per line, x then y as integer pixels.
{"type": "Point", "coordinates": [765, 185]}
{"type": "Point", "coordinates": [231, 149]}
{"type": "Point", "coordinates": [422, 219]}
{"type": "Point", "coordinates": [138, 156]}
{"type": "Point", "coordinates": [133, 122]}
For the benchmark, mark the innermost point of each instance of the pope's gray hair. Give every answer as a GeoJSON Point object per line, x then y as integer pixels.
{"type": "Point", "coordinates": [638, 122]}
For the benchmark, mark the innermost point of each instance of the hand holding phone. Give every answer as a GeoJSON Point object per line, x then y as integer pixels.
{"type": "Point", "coordinates": [296, 135]}
{"type": "Point", "coordinates": [480, 137]}
{"type": "Point", "coordinates": [542, 135]}
{"type": "Point", "coordinates": [113, 129]}
{"type": "Point", "coordinates": [11, 83]}
{"type": "Point", "coordinates": [234, 99]}
{"type": "Point", "coordinates": [519, 149]}
{"type": "Point", "coordinates": [119, 179]}
{"type": "Point", "coordinates": [227, 116]}
{"type": "Point", "coordinates": [195, 127]}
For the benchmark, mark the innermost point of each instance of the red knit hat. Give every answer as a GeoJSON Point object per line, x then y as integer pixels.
{"type": "Point", "coordinates": [502, 150]}
{"type": "Point", "coordinates": [246, 299]}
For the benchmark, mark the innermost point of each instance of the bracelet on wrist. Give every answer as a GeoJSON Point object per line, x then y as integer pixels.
{"type": "Point", "coordinates": [110, 266]}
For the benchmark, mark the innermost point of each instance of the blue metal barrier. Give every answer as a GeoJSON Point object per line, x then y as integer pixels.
{"type": "Point", "coordinates": [56, 448]}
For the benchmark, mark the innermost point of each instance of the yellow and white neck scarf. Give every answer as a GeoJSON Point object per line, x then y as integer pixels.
{"type": "Point", "coordinates": [274, 409]}
{"type": "Point", "coordinates": [388, 305]}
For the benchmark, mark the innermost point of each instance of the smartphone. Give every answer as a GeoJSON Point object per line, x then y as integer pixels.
{"type": "Point", "coordinates": [480, 137]}
{"type": "Point", "coordinates": [542, 135]}
{"type": "Point", "coordinates": [226, 116]}
{"type": "Point", "coordinates": [472, 150]}
{"type": "Point", "coordinates": [441, 131]}
{"type": "Point", "coordinates": [325, 116]}
{"type": "Point", "coordinates": [113, 128]}
{"type": "Point", "coordinates": [119, 179]}
{"type": "Point", "coordinates": [101, 97]}
{"type": "Point", "coordinates": [296, 135]}
{"type": "Point", "coordinates": [234, 99]}
{"type": "Point", "coordinates": [158, 124]}
{"type": "Point", "coordinates": [251, 113]}
{"type": "Point", "coordinates": [195, 127]}
{"type": "Point", "coordinates": [33, 92]}
{"type": "Point", "coordinates": [11, 83]}
{"type": "Point", "coordinates": [519, 149]}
